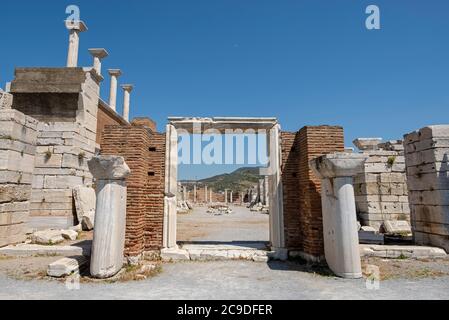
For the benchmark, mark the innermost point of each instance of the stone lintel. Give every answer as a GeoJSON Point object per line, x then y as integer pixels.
{"type": "Point", "coordinates": [222, 123]}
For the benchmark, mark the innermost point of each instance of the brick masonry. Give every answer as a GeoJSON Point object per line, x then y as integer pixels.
{"type": "Point", "coordinates": [144, 152]}
{"type": "Point", "coordinates": [301, 189]}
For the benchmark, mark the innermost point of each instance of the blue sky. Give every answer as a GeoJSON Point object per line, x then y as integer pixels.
{"type": "Point", "coordinates": [306, 62]}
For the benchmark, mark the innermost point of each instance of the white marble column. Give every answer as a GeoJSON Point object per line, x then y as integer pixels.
{"type": "Point", "coordinates": [226, 196]}
{"type": "Point", "coordinates": [205, 194]}
{"type": "Point", "coordinates": [195, 190]}
{"type": "Point", "coordinates": [108, 243]}
{"type": "Point", "coordinates": [341, 240]}
{"type": "Point", "coordinates": [75, 28]}
{"type": "Point", "coordinates": [171, 188]}
{"type": "Point", "coordinates": [232, 197]}
{"type": "Point", "coordinates": [127, 88]}
{"type": "Point", "coordinates": [210, 195]}
{"type": "Point", "coordinates": [115, 74]}
{"type": "Point", "coordinates": [98, 54]}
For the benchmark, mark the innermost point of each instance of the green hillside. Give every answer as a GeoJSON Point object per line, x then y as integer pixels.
{"type": "Point", "coordinates": [238, 181]}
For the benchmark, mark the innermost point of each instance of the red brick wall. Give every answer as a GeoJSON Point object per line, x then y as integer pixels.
{"type": "Point", "coordinates": [144, 152]}
{"type": "Point", "coordinates": [302, 198]}
{"type": "Point", "coordinates": [106, 117]}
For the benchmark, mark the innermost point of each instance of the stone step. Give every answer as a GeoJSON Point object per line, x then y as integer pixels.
{"type": "Point", "coordinates": [394, 252]}
{"type": "Point", "coordinates": [30, 250]}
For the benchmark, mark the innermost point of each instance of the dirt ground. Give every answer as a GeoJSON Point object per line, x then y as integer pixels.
{"type": "Point", "coordinates": [241, 225]}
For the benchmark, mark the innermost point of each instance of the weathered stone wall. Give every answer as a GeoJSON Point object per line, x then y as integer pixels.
{"type": "Point", "coordinates": [427, 160]}
{"type": "Point", "coordinates": [65, 101]}
{"type": "Point", "coordinates": [381, 190]}
{"type": "Point", "coordinates": [17, 148]}
{"type": "Point", "coordinates": [301, 188]}
{"type": "Point", "coordinates": [144, 152]}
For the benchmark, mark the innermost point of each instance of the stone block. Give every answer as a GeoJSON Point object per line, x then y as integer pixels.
{"type": "Point", "coordinates": [29, 250]}
{"type": "Point", "coordinates": [62, 182]}
{"type": "Point", "coordinates": [397, 227]}
{"type": "Point", "coordinates": [431, 214]}
{"type": "Point", "coordinates": [51, 196]}
{"type": "Point", "coordinates": [428, 181]}
{"type": "Point", "coordinates": [5, 100]}
{"type": "Point", "coordinates": [432, 198]}
{"type": "Point", "coordinates": [18, 146]}
{"type": "Point", "coordinates": [16, 161]}
{"type": "Point", "coordinates": [69, 234]}
{"type": "Point", "coordinates": [14, 206]}
{"type": "Point", "coordinates": [49, 160]}
{"type": "Point", "coordinates": [15, 177]}
{"type": "Point", "coordinates": [174, 255]}
{"type": "Point", "coordinates": [13, 193]}
{"type": "Point", "coordinates": [11, 234]}
{"type": "Point", "coordinates": [66, 266]}
{"type": "Point", "coordinates": [47, 237]}
{"type": "Point", "coordinates": [367, 143]}
{"type": "Point", "coordinates": [85, 202]}
{"type": "Point", "coordinates": [10, 218]}
{"type": "Point", "coordinates": [74, 161]}
{"type": "Point", "coordinates": [15, 131]}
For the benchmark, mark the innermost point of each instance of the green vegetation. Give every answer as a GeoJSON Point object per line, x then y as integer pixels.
{"type": "Point", "coordinates": [238, 181]}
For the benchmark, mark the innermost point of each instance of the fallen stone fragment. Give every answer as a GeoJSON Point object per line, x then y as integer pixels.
{"type": "Point", "coordinates": [85, 202]}
{"type": "Point", "coordinates": [397, 227]}
{"type": "Point", "coordinates": [29, 250]}
{"type": "Point", "coordinates": [69, 234]}
{"type": "Point", "coordinates": [261, 259]}
{"type": "Point", "coordinates": [66, 266]}
{"type": "Point", "coordinates": [47, 237]}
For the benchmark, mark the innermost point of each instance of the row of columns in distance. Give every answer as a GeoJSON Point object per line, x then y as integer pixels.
{"type": "Point", "coordinates": [75, 28]}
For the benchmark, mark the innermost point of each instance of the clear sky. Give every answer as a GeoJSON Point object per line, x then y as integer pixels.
{"type": "Point", "coordinates": [306, 62]}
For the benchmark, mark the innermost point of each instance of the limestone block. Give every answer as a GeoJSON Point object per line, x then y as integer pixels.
{"type": "Point", "coordinates": [27, 250]}
{"type": "Point", "coordinates": [367, 143]}
{"type": "Point", "coordinates": [62, 182]}
{"type": "Point", "coordinates": [11, 234]}
{"type": "Point", "coordinates": [74, 161]}
{"type": "Point", "coordinates": [436, 131]}
{"type": "Point", "coordinates": [13, 193]}
{"type": "Point", "coordinates": [431, 214]}
{"type": "Point", "coordinates": [49, 160]}
{"type": "Point", "coordinates": [428, 157]}
{"type": "Point", "coordinates": [13, 145]}
{"type": "Point", "coordinates": [38, 182]}
{"type": "Point", "coordinates": [50, 142]}
{"type": "Point", "coordinates": [433, 198]}
{"type": "Point", "coordinates": [47, 237]}
{"type": "Point", "coordinates": [16, 161]}
{"type": "Point", "coordinates": [5, 100]}
{"type": "Point", "coordinates": [67, 150]}
{"type": "Point", "coordinates": [432, 228]}
{"type": "Point", "coordinates": [169, 255]}
{"type": "Point", "coordinates": [427, 144]}
{"type": "Point", "coordinates": [428, 181]}
{"type": "Point", "coordinates": [52, 206]}
{"type": "Point", "coordinates": [15, 177]}
{"type": "Point", "coordinates": [440, 167]}
{"type": "Point", "coordinates": [51, 195]}
{"type": "Point", "coordinates": [69, 234]}
{"type": "Point", "coordinates": [85, 202]}
{"type": "Point", "coordinates": [54, 172]}
{"type": "Point", "coordinates": [14, 206]}
{"type": "Point", "coordinates": [10, 218]}
{"type": "Point", "coordinates": [15, 131]}
{"type": "Point", "coordinates": [66, 266]}
{"type": "Point", "coordinates": [397, 227]}
{"type": "Point", "coordinates": [59, 127]}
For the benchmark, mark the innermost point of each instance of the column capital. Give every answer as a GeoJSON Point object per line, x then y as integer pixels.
{"type": "Point", "coordinates": [127, 87]}
{"type": "Point", "coordinates": [115, 72]}
{"type": "Point", "coordinates": [338, 165]}
{"type": "Point", "coordinates": [99, 53]}
{"type": "Point", "coordinates": [109, 168]}
{"type": "Point", "coordinates": [79, 26]}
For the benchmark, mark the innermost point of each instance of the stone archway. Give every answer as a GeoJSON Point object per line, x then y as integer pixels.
{"type": "Point", "coordinates": [198, 126]}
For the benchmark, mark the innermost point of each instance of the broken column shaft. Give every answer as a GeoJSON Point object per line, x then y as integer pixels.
{"type": "Point", "coordinates": [108, 243]}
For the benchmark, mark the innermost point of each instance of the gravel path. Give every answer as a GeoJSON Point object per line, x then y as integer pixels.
{"type": "Point", "coordinates": [231, 280]}
{"type": "Point", "coordinates": [241, 225]}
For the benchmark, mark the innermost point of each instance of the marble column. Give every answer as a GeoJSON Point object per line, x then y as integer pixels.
{"type": "Point", "coordinates": [341, 240]}
{"type": "Point", "coordinates": [127, 88]}
{"type": "Point", "coordinates": [108, 243]}
{"type": "Point", "coordinates": [98, 54]}
{"type": "Point", "coordinates": [226, 196]}
{"type": "Point", "coordinates": [115, 74]}
{"type": "Point", "coordinates": [75, 28]}
{"type": "Point", "coordinates": [205, 194]}
{"type": "Point", "coordinates": [211, 195]}
{"type": "Point", "coordinates": [231, 197]}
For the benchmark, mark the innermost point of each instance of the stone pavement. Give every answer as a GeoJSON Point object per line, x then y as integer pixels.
{"type": "Point", "coordinates": [231, 280]}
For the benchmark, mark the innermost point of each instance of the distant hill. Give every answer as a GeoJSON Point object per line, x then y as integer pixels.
{"type": "Point", "coordinates": [239, 180]}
